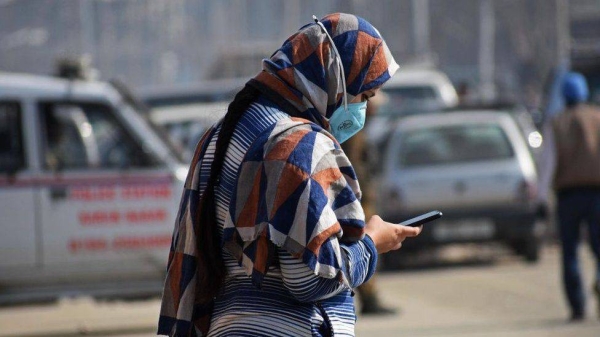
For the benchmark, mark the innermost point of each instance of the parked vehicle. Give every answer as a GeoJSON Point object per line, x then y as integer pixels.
{"type": "Point", "coordinates": [209, 91]}
{"type": "Point", "coordinates": [523, 118]}
{"type": "Point", "coordinates": [88, 191]}
{"type": "Point", "coordinates": [408, 92]}
{"type": "Point", "coordinates": [411, 91]}
{"type": "Point", "coordinates": [186, 123]}
{"type": "Point", "coordinates": [473, 166]}
{"type": "Point", "coordinates": [186, 111]}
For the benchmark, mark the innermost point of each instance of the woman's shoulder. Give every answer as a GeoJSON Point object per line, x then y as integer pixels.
{"type": "Point", "coordinates": [301, 138]}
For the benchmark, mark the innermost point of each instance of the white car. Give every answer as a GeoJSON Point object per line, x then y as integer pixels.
{"type": "Point", "coordinates": [411, 91]}
{"type": "Point", "coordinates": [186, 123]}
{"type": "Point", "coordinates": [473, 166]}
{"type": "Point", "coordinates": [186, 111]}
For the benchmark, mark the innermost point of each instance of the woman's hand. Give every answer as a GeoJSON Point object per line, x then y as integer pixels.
{"type": "Point", "coordinates": [388, 236]}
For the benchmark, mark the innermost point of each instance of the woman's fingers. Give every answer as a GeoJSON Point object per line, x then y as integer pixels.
{"type": "Point", "coordinates": [409, 232]}
{"type": "Point", "coordinates": [388, 236]}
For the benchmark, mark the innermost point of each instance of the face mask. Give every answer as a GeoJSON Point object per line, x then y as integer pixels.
{"type": "Point", "coordinates": [345, 122]}
{"type": "Point", "coordinates": [347, 119]}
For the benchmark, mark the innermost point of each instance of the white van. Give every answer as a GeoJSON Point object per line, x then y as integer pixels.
{"type": "Point", "coordinates": [88, 191]}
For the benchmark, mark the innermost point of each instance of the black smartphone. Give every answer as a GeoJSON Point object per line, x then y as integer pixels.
{"type": "Point", "coordinates": [421, 219]}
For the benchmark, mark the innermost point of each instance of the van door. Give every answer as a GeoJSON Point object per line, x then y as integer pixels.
{"type": "Point", "coordinates": [107, 202]}
{"type": "Point", "coordinates": [17, 193]}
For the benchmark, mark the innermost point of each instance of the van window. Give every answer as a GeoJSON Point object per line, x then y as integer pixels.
{"type": "Point", "coordinates": [87, 135]}
{"type": "Point", "coordinates": [454, 144]}
{"type": "Point", "coordinates": [12, 156]}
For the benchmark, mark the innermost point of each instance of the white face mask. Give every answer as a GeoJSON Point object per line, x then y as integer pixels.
{"type": "Point", "coordinates": [348, 119]}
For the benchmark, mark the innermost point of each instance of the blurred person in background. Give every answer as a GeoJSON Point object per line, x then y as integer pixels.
{"type": "Point", "coordinates": [357, 149]}
{"type": "Point", "coordinates": [576, 139]}
{"type": "Point", "coordinates": [271, 236]}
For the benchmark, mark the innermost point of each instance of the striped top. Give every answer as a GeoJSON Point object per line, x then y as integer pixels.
{"type": "Point", "coordinates": [292, 300]}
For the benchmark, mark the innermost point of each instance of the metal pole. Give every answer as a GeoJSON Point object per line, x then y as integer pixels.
{"type": "Point", "coordinates": [292, 18]}
{"type": "Point", "coordinates": [86, 17]}
{"type": "Point", "coordinates": [420, 9]}
{"type": "Point", "coordinates": [563, 31]}
{"type": "Point", "coordinates": [487, 28]}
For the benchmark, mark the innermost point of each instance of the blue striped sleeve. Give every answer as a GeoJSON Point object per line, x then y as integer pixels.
{"type": "Point", "coordinates": [302, 282]}
{"type": "Point", "coordinates": [360, 259]}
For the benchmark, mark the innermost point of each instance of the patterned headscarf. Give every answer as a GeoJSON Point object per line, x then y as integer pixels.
{"type": "Point", "coordinates": [305, 73]}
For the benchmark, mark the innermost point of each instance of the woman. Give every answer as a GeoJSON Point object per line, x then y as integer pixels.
{"type": "Point", "coordinates": [271, 238]}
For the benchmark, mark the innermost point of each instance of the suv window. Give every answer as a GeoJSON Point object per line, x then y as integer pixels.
{"type": "Point", "coordinates": [12, 156]}
{"type": "Point", "coordinates": [87, 135]}
{"type": "Point", "coordinates": [454, 144]}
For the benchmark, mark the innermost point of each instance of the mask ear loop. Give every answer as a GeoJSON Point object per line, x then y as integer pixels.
{"type": "Point", "coordinates": [338, 59]}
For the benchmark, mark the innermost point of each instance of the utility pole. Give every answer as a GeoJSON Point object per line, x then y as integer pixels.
{"type": "Point", "coordinates": [420, 28]}
{"type": "Point", "coordinates": [292, 15]}
{"type": "Point", "coordinates": [86, 20]}
{"type": "Point", "coordinates": [563, 31]}
{"type": "Point", "coordinates": [487, 41]}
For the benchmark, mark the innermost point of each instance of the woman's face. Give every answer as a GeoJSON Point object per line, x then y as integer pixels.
{"type": "Point", "coordinates": [365, 96]}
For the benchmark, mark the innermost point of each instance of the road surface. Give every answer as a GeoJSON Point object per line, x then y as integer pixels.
{"type": "Point", "coordinates": [494, 294]}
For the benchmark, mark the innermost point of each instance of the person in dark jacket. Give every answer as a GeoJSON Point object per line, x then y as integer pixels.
{"type": "Point", "coordinates": [576, 134]}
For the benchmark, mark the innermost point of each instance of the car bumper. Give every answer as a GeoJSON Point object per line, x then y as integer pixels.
{"type": "Point", "coordinates": [507, 224]}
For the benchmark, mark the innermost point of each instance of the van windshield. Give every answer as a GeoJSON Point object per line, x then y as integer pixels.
{"type": "Point", "coordinates": [454, 144]}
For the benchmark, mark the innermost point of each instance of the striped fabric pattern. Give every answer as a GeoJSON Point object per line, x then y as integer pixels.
{"type": "Point", "coordinates": [287, 300]}
{"type": "Point", "coordinates": [291, 299]}
{"type": "Point", "coordinates": [296, 189]}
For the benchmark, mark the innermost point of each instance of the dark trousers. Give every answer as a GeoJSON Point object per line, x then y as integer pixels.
{"type": "Point", "coordinates": [574, 207]}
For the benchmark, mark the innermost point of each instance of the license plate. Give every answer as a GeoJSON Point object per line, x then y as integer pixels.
{"type": "Point", "coordinates": [471, 229]}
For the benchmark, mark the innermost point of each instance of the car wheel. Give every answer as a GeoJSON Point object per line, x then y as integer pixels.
{"type": "Point", "coordinates": [531, 251]}
{"type": "Point", "coordinates": [528, 248]}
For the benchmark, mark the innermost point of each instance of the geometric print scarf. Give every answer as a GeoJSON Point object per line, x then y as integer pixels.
{"type": "Point", "coordinates": [305, 73]}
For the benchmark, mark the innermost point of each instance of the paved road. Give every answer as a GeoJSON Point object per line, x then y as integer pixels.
{"type": "Point", "coordinates": [498, 295]}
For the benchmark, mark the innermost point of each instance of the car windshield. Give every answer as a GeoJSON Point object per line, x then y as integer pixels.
{"type": "Point", "coordinates": [454, 144]}
{"type": "Point", "coordinates": [409, 99]}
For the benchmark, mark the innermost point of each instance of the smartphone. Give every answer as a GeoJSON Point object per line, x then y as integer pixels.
{"type": "Point", "coordinates": [421, 219]}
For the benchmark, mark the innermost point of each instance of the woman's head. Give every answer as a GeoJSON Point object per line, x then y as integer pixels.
{"type": "Point", "coordinates": [306, 71]}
